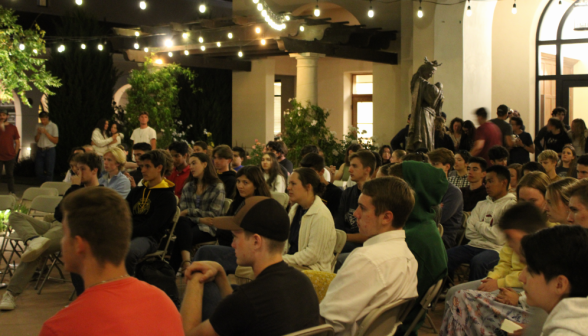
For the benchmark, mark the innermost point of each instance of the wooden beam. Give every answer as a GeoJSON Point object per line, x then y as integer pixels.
{"type": "Point", "coordinates": [197, 61]}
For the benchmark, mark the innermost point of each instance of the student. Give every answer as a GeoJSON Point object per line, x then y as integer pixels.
{"type": "Point", "coordinates": [557, 208]}
{"type": "Point", "coordinates": [582, 166]}
{"type": "Point", "coordinates": [384, 206]}
{"type": "Point", "coordinates": [312, 238]}
{"type": "Point", "coordinates": [114, 164]}
{"type": "Point", "coordinates": [43, 238]}
{"type": "Point", "coordinates": [223, 156]}
{"type": "Point", "coordinates": [531, 167]}
{"type": "Point", "coordinates": [280, 150]}
{"type": "Point", "coordinates": [516, 173]}
{"type": "Point", "coordinates": [556, 280]}
{"type": "Point", "coordinates": [557, 136]}
{"type": "Point", "coordinates": [548, 159]}
{"type": "Point", "coordinates": [487, 135]}
{"type": "Point", "coordinates": [505, 127]}
{"type": "Point", "coordinates": [115, 134]}
{"type": "Point", "coordinates": [200, 147]}
{"type": "Point", "coordinates": [136, 176]}
{"type": "Point", "coordinates": [97, 230]}
{"type": "Point", "coordinates": [100, 138]}
{"type": "Point", "coordinates": [386, 154]}
{"type": "Point", "coordinates": [343, 171]}
{"type": "Point", "coordinates": [314, 149]}
{"type": "Point", "coordinates": [482, 230]}
{"type": "Point", "coordinates": [239, 154]}
{"type": "Point", "coordinates": [522, 144]}
{"type": "Point", "coordinates": [9, 147]}
{"type": "Point", "coordinates": [272, 173]}
{"type": "Point", "coordinates": [332, 194]}
{"type": "Point", "coordinates": [397, 156]}
{"type": "Point", "coordinates": [153, 206]}
{"type": "Point", "coordinates": [459, 175]}
{"type": "Point", "coordinates": [469, 131]}
{"type": "Point", "coordinates": [361, 167]}
{"type": "Point", "coordinates": [498, 155]}
{"type": "Point", "coordinates": [179, 151]}
{"type": "Point", "coordinates": [280, 300]}
{"type": "Point", "coordinates": [452, 202]}
{"type": "Point", "coordinates": [442, 139]}
{"type": "Point", "coordinates": [399, 140]}
{"type": "Point", "coordinates": [476, 191]}
{"type": "Point", "coordinates": [72, 164]}
{"type": "Point", "coordinates": [144, 133]}
{"type": "Point", "coordinates": [579, 136]}
{"type": "Point", "coordinates": [47, 137]}
{"type": "Point", "coordinates": [567, 165]}
{"type": "Point", "coordinates": [455, 132]}
{"type": "Point", "coordinates": [578, 195]}
{"type": "Point", "coordinates": [558, 113]}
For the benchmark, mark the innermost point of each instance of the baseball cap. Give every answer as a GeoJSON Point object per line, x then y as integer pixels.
{"type": "Point", "coordinates": [502, 109]}
{"type": "Point", "coordinates": [261, 215]}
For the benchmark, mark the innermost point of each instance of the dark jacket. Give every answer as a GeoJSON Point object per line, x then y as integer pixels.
{"type": "Point", "coordinates": [229, 179]}
{"type": "Point", "coordinates": [399, 140]}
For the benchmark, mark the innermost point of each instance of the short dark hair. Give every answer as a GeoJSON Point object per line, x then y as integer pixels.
{"type": "Point", "coordinates": [497, 152]}
{"type": "Point", "coordinates": [532, 166]}
{"type": "Point", "coordinates": [143, 113]}
{"type": "Point", "coordinates": [442, 155]}
{"type": "Point", "coordinates": [44, 114]}
{"type": "Point", "coordinates": [102, 218]}
{"type": "Point", "coordinates": [418, 156]}
{"type": "Point", "coordinates": [555, 122]}
{"type": "Point", "coordinates": [444, 115]}
{"type": "Point", "coordinates": [517, 121]}
{"type": "Point", "coordinates": [524, 216]}
{"type": "Point", "coordinates": [502, 110]}
{"type": "Point", "coordinates": [465, 155]}
{"type": "Point", "coordinates": [179, 147]}
{"type": "Point", "coordinates": [567, 255]}
{"type": "Point", "coordinates": [201, 144]}
{"type": "Point", "coordinates": [92, 160]}
{"type": "Point", "coordinates": [366, 158]}
{"type": "Point", "coordinates": [309, 149]}
{"type": "Point", "coordinates": [242, 153]}
{"type": "Point", "coordinates": [278, 146]}
{"type": "Point", "coordinates": [223, 152]}
{"type": "Point", "coordinates": [583, 160]}
{"type": "Point", "coordinates": [501, 172]}
{"type": "Point", "coordinates": [314, 161]}
{"type": "Point", "coordinates": [481, 161]}
{"type": "Point", "coordinates": [309, 176]}
{"type": "Point", "coordinates": [159, 157]}
{"type": "Point", "coordinates": [559, 110]}
{"type": "Point", "coordinates": [482, 112]}
{"type": "Point", "coordinates": [391, 194]}
{"type": "Point", "coordinates": [142, 146]}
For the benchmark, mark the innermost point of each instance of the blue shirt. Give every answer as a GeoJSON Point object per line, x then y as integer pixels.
{"type": "Point", "coordinates": [237, 168]}
{"type": "Point", "coordinates": [119, 183]}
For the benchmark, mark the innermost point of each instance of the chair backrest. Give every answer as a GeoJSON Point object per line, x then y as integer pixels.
{"type": "Point", "coordinates": [282, 198]}
{"type": "Point", "coordinates": [425, 303]}
{"type": "Point", "coordinates": [464, 225]}
{"type": "Point", "coordinates": [321, 330]}
{"type": "Point", "coordinates": [7, 202]}
{"type": "Point", "coordinates": [44, 204]}
{"type": "Point", "coordinates": [60, 186]}
{"type": "Point", "coordinates": [320, 281]}
{"type": "Point", "coordinates": [386, 319]}
{"type": "Point", "coordinates": [171, 233]}
{"type": "Point", "coordinates": [227, 205]}
{"type": "Point", "coordinates": [339, 244]}
{"type": "Point", "coordinates": [33, 192]}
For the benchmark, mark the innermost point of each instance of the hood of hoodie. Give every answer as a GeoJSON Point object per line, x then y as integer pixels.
{"type": "Point", "coordinates": [508, 197]}
{"type": "Point", "coordinates": [569, 317]}
{"type": "Point", "coordinates": [164, 184]}
{"type": "Point", "coordinates": [429, 185]}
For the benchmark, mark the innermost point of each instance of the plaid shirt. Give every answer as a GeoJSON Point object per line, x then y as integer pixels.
{"type": "Point", "coordinates": [211, 204]}
{"type": "Point", "coordinates": [456, 180]}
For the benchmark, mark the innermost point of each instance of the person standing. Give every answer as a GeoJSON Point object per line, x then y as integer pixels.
{"type": "Point", "coordinates": [487, 135]}
{"type": "Point", "coordinates": [559, 113]}
{"type": "Point", "coordinates": [144, 133]}
{"type": "Point", "coordinates": [557, 137]}
{"type": "Point", "coordinates": [9, 146]}
{"type": "Point", "coordinates": [46, 138]}
{"type": "Point", "coordinates": [505, 127]}
{"type": "Point", "coordinates": [522, 144]}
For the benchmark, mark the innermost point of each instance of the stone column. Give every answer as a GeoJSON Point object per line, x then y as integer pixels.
{"type": "Point", "coordinates": [306, 77]}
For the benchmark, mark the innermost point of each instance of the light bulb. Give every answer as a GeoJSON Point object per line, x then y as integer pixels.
{"type": "Point", "coordinates": [301, 28]}
{"type": "Point", "coordinates": [420, 12]}
{"type": "Point", "coordinates": [202, 8]}
{"type": "Point", "coordinates": [257, 30]}
{"type": "Point", "coordinates": [200, 39]}
{"type": "Point", "coordinates": [79, 2]}
{"type": "Point", "coordinates": [262, 41]}
{"type": "Point", "coordinates": [170, 54]}
{"type": "Point", "coordinates": [137, 33]}
{"type": "Point", "coordinates": [287, 17]}
{"type": "Point", "coordinates": [264, 13]}
{"type": "Point", "coordinates": [186, 52]}
{"type": "Point", "coordinates": [100, 47]}
{"type": "Point", "coordinates": [158, 61]}
{"type": "Point", "coordinates": [146, 50]}
{"type": "Point", "coordinates": [230, 35]}
{"type": "Point", "coordinates": [240, 53]}
{"type": "Point", "coordinates": [218, 44]}
{"type": "Point", "coordinates": [168, 43]}
{"type": "Point", "coordinates": [469, 11]}
{"type": "Point", "coordinates": [136, 45]}
{"type": "Point", "coordinates": [35, 51]}
{"type": "Point", "coordinates": [317, 11]}
{"type": "Point", "coordinates": [202, 48]}
{"type": "Point", "coordinates": [371, 12]}
{"type": "Point", "coordinates": [142, 5]}
{"type": "Point", "coordinates": [259, 7]}
{"type": "Point", "coordinates": [83, 46]}
{"type": "Point", "coordinates": [514, 8]}
{"type": "Point", "coordinates": [21, 46]}
{"type": "Point", "coordinates": [61, 48]}
{"type": "Point", "coordinates": [185, 35]}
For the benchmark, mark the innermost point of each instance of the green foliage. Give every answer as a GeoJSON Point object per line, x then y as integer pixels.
{"type": "Point", "coordinates": [21, 68]}
{"type": "Point", "coordinates": [254, 157]}
{"type": "Point", "coordinates": [88, 78]}
{"type": "Point", "coordinates": [155, 90]}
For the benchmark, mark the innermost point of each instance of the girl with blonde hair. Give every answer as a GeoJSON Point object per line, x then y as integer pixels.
{"type": "Point", "coordinates": [114, 166]}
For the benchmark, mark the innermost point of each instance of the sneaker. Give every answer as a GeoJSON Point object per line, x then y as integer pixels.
{"type": "Point", "coordinates": [8, 302]}
{"type": "Point", "coordinates": [35, 248]}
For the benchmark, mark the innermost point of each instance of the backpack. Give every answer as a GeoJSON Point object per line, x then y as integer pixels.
{"type": "Point", "coordinates": [160, 274]}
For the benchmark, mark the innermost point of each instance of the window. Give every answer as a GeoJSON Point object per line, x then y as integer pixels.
{"type": "Point", "coordinates": [363, 109]}
{"type": "Point", "coordinates": [277, 107]}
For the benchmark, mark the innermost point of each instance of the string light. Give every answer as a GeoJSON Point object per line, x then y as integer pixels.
{"type": "Point", "coordinates": [203, 48]}
{"type": "Point", "coordinates": [83, 46]}
{"type": "Point", "coordinates": [168, 43]}
{"type": "Point", "coordinates": [317, 11]}
{"type": "Point", "coordinates": [201, 39]}
{"type": "Point", "coordinates": [255, 1]}
{"type": "Point", "coordinates": [514, 7]}
{"type": "Point", "coordinates": [218, 44]}
{"type": "Point", "coordinates": [264, 13]}
{"type": "Point", "coordinates": [137, 33]}
{"type": "Point", "coordinates": [170, 54]}
{"type": "Point", "coordinates": [240, 53]}
{"type": "Point", "coordinates": [301, 28]}
{"type": "Point", "coordinates": [469, 10]}
{"type": "Point", "coordinates": [202, 8]}
{"type": "Point", "coordinates": [146, 50]}
{"type": "Point", "coordinates": [21, 46]}
{"type": "Point", "coordinates": [186, 52]}
{"type": "Point", "coordinates": [185, 35]}
{"type": "Point", "coordinates": [143, 5]}
{"type": "Point", "coordinates": [158, 61]}
{"type": "Point", "coordinates": [61, 48]}
{"type": "Point", "coordinates": [100, 47]}
{"type": "Point", "coordinates": [79, 2]}
{"type": "Point", "coordinates": [420, 12]}
{"type": "Point", "coordinates": [259, 7]}
{"type": "Point", "coordinates": [262, 41]}
{"type": "Point", "coordinates": [287, 17]}
{"type": "Point", "coordinates": [230, 35]}
{"type": "Point", "coordinates": [257, 30]}
{"type": "Point", "coordinates": [136, 45]}
{"type": "Point", "coordinates": [371, 11]}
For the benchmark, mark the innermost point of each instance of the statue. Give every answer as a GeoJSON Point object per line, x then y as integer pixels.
{"type": "Point", "coordinates": [427, 100]}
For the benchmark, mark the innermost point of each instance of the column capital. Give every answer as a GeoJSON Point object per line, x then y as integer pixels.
{"type": "Point", "coordinates": [307, 55]}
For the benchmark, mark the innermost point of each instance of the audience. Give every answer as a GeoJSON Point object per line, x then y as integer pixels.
{"type": "Point", "coordinates": [516, 172]}
{"type": "Point", "coordinates": [100, 139]}
{"type": "Point", "coordinates": [578, 196]}
{"type": "Point", "coordinates": [114, 178]}
{"type": "Point", "coordinates": [223, 156]}
{"type": "Point", "coordinates": [531, 167]}
{"type": "Point", "coordinates": [579, 136]}
{"type": "Point", "coordinates": [557, 208]}
{"type": "Point", "coordinates": [384, 206]}
{"type": "Point", "coordinates": [116, 135]}
{"type": "Point", "coordinates": [487, 135]}
{"type": "Point", "coordinates": [522, 144]}
{"type": "Point", "coordinates": [459, 175]}
{"type": "Point", "coordinates": [239, 155]}
{"type": "Point", "coordinates": [144, 133]}
{"type": "Point", "coordinates": [557, 113]}
{"type": "Point", "coordinates": [180, 151]}
{"type": "Point", "coordinates": [136, 176]}
{"type": "Point", "coordinates": [280, 150]}
{"type": "Point", "coordinates": [557, 136]}
{"type": "Point", "coordinates": [476, 191]}
{"type": "Point", "coordinates": [567, 165]}
{"type": "Point", "coordinates": [442, 139]}
{"type": "Point", "coordinates": [451, 206]}
{"type": "Point", "coordinates": [72, 163]}
{"type": "Point", "coordinates": [280, 300]}
{"type": "Point", "coordinates": [397, 156]}
{"type": "Point", "coordinates": [332, 194]}
{"type": "Point", "coordinates": [314, 149]}
{"type": "Point", "coordinates": [548, 159]}
{"type": "Point", "coordinates": [385, 153]}
{"type": "Point", "coordinates": [459, 138]}
{"type": "Point", "coordinates": [505, 128]}
{"type": "Point", "coordinates": [469, 132]}
{"type": "Point", "coordinates": [275, 178]}
{"type": "Point", "coordinates": [399, 140]}
{"type": "Point", "coordinates": [498, 155]}
{"type": "Point", "coordinates": [343, 171]}
{"type": "Point", "coordinates": [200, 147]}
{"type": "Point", "coordinates": [96, 234]}
{"type": "Point", "coordinates": [482, 230]}
{"type": "Point", "coordinates": [582, 166]}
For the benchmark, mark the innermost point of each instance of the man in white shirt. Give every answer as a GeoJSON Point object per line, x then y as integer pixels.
{"type": "Point", "coordinates": [144, 133]}
{"type": "Point", "coordinates": [46, 138]}
{"type": "Point", "coordinates": [383, 270]}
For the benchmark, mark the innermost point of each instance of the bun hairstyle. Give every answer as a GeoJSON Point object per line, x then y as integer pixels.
{"type": "Point", "coordinates": [309, 176]}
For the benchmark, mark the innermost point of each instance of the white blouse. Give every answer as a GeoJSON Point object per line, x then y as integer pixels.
{"type": "Point", "coordinates": [279, 184]}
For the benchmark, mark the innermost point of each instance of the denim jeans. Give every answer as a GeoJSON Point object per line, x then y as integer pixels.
{"type": "Point", "coordinates": [224, 255]}
{"type": "Point", "coordinates": [140, 247]}
{"type": "Point", "coordinates": [9, 173]}
{"type": "Point", "coordinates": [481, 261]}
{"type": "Point", "coordinates": [45, 164]}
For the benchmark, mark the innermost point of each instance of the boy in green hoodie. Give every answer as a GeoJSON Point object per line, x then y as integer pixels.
{"type": "Point", "coordinates": [422, 236]}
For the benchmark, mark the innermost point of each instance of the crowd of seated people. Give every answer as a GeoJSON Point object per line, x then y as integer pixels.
{"type": "Point", "coordinates": [388, 208]}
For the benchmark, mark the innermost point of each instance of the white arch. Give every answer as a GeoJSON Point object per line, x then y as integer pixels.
{"type": "Point", "coordinates": [120, 96]}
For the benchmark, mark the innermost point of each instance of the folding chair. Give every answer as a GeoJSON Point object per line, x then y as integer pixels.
{"type": "Point", "coordinates": [55, 262]}
{"type": "Point", "coordinates": [339, 244]}
{"type": "Point", "coordinates": [61, 187]}
{"type": "Point", "coordinates": [385, 320]}
{"type": "Point", "coordinates": [282, 198]}
{"type": "Point", "coordinates": [426, 306]}
{"type": "Point", "coordinates": [161, 253]}
{"type": "Point", "coordinates": [321, 330]}
{"type": "Point", "coordinates": [7, 202]}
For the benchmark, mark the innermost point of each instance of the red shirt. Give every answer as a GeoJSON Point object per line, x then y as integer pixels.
{"type": "Point", "coordinates": [124, 307]}
{"type": "Point", "coordinates": [7, 138]}
{"type": "Point", "coordinates": [179, 179]}
{"type": "Point", "coordinates": [491, 135]}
